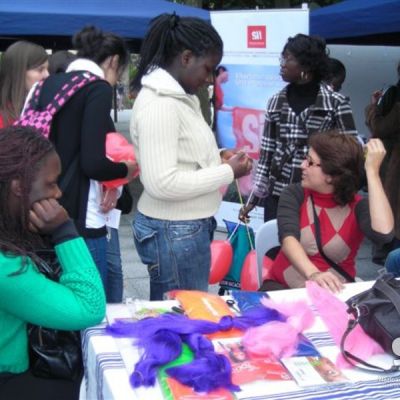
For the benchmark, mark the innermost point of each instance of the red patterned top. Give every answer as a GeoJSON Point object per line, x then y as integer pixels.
{"type": "Point", "coordinates": [341, 231]}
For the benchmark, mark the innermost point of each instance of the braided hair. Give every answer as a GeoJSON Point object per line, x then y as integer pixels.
{"type": "Point", "coordinates": [168, 36]}
{"type": "Point", "coordinates": [22, 152]}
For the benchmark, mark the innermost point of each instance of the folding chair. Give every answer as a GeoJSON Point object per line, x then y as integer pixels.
{"type": "Point", "coordinates": [254, 273]}
{"type": "Point", "coordinates": [266, 239]}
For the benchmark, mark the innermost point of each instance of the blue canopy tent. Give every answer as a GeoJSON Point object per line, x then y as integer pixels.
{"type": "Point", "coordinates": [374, 22]}
{"type": "Point", "coordinates": [53, 22]}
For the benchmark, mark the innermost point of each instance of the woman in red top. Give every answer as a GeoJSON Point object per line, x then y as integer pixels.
{"type": "Point", "coordinates": [330, 179]}
{"type": "Point", "coordinates": [22, 65]}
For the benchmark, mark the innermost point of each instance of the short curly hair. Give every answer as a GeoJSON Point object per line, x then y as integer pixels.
{"type": "Point", "coordinates": [342, 158]}
{"type": "Point", "coordinates": [311, 53]}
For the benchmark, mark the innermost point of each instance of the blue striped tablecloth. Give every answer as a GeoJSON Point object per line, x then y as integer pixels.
{"type": "Point", "coordinates": [108, 363]}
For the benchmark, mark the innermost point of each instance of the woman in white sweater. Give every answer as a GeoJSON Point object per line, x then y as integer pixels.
{"type": "Point", "coordinates": [181, 166]}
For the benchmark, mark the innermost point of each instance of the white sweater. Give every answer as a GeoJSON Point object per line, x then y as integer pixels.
{"type": "Point", "coordinates": [180, 164]}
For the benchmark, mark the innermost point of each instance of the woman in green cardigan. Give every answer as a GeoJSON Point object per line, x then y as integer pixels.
{"type": "Point", "coordinates": [29, 214]}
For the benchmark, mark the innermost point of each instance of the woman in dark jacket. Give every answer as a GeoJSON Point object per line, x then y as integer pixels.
{"type": "Point", "coordinates": [79, 133]}
{"type": "Point", "coordinates": [306, 105]}
{"type": "Point", "coordinates": [384, 123]}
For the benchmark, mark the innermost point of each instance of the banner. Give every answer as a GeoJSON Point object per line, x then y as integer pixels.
{"type": "Point", "coordinates": [246, 78]}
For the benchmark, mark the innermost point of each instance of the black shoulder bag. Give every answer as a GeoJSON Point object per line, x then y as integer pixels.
{"type": "Point", "coordinates": [53, 354]}
{"type": "Point", "coordinates": [335, 266]}
{"type": "Point", "coordinates": [377, 310]}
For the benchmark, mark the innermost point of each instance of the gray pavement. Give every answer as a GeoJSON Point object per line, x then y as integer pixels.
{"type": "Point", "coordinates": [136, 281]}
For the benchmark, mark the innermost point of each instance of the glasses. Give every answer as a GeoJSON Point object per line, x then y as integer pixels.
{"type": "Point", "coordinates": [311, 162]}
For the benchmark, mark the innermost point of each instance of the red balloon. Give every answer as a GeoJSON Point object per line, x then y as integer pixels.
{"type": "Point", "coordinates": [249, 274]}
{"type": "Point", "coordinates": [118, 149]}
{"type": "Point", "coordinates": [221, 259]}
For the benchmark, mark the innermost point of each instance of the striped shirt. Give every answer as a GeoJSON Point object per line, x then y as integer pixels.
{"type": "Point", "coordinates": [284, 144]}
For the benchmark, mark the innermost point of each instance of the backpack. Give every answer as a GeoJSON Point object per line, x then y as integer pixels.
{"type": "Point", "coordinates": [41, 119]}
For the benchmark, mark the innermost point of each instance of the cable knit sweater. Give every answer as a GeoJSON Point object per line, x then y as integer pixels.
{"type": "Point", "coordinates": [180, 164]}
{"type": "Point", "coordinates": [76, 302]}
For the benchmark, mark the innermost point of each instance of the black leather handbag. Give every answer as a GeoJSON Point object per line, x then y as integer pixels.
{"type": "Point", "coordinates": [377, 310]}
{"type": "Point", "coordinates": [54, 354]}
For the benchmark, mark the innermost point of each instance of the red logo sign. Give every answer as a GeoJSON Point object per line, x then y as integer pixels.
{"type": "Point", "coordinates": [257, 36]}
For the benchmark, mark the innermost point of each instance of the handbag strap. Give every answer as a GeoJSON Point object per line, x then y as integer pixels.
{"type": "Point", "coordinates": [382, 286]}
{"type": "Point", "coordinates": [335, 266]}
{"type": "Point", "coordinates": [352, 359]}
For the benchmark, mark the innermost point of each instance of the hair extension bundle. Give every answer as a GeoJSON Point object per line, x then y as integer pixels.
{"type": "Point", "coordinates": [161, 339]}
{"type": "Point", "coordinates": [276, 337]}
{"type": "Point", "coordinates": [333, 312]}
{"type": "Point", "coordinates": [208, 370]}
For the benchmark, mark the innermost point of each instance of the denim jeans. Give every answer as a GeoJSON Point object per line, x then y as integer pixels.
{"type": "Point", "coordinates": [98, 250]}
{"type": "Point", "coordinates": [177, 253]}
{"type": "Point", "coordinates": [392, 263]}
{"type": "Point", "coordinates": [114, 286]}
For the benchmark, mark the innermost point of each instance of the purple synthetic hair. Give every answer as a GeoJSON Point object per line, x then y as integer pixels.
{"type": "Point", "coordinates": [208, 370]}
{"type": "Point", "coordinates": [182, 325]}
{"type": "Point", "coordinates": [165, 347]}
{"type": "Point", "coordinates": [161, 339]}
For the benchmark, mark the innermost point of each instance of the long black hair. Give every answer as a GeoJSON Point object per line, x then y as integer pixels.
{"type": "Point", "coordinates": [168, 36]}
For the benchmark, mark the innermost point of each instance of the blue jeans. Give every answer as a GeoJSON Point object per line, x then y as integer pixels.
{"type": "Point", "coordinates": [392, 263]}
{"type": "Point", "coordinates": [115, 284]}
{"type": "Point", "coordinates": [177, 253]}
{"type": "Point", "coordinates": [98, 250]}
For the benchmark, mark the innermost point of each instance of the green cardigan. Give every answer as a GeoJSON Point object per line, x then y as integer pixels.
{"type": "Point", "coordinates": [76, 302]}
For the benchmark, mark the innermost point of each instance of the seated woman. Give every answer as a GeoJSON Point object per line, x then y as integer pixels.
{"type": "Point", "coordinates": [330, 179]}
{"type": "Point", "coordinates": [29, 170]}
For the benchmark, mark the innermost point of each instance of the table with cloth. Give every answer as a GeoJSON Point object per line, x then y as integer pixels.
{"type": "Point", "coordinates": [110, 361]}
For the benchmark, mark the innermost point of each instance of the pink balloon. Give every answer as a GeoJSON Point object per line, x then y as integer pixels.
{"type": "Point", "coordinates": [249, 274]}
{"type": "Point", "coordinates": [118, 149]}
{"type": "Point", "coordinates": [221, 259]}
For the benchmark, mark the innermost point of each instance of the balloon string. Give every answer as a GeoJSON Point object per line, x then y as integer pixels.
{"type": "Point", "coordinates": [234, 231]}
{"type": "Point", "coordinates": [245, 223]}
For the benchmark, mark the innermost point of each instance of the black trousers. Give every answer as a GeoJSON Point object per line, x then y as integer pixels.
{"type": "Point", "coordinates": [270, 207]}
{"type": "Point", "coordinates": [27, 386]}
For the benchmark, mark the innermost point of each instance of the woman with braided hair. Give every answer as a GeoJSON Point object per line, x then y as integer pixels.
{"type": "Point", "coordinates": [30, 215]}
{"type": "Point", "coordinates": [78, 132]}
{"type": "Point", "coordinates": [181, 167]}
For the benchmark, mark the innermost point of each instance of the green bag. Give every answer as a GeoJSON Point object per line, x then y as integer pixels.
{"type": "Point", "coordinates": [241, 245]}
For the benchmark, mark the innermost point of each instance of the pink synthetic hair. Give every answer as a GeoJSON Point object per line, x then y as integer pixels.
{"type": "Point", "coordinates": [277, 338]}
{"type": "Point", "coordinates": [333, 313]}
